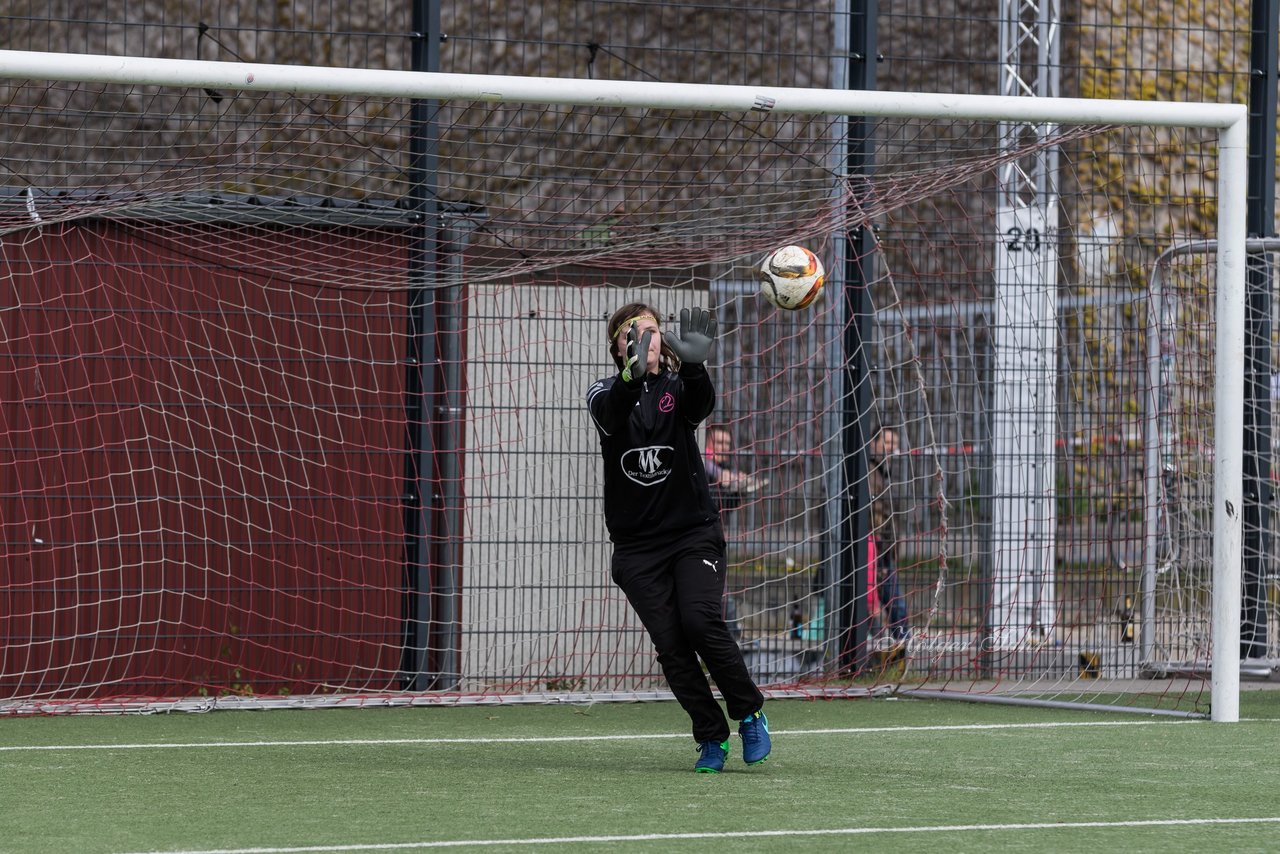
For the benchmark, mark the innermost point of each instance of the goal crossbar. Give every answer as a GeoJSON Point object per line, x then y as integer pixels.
{"type": "Point", "coordinates": [250, 77]}
{"type": "Point", "coordinates": [1229, 120]}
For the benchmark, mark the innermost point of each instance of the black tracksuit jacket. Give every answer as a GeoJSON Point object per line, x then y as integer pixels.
{"type": "Point", "coordinates": [655, 483]}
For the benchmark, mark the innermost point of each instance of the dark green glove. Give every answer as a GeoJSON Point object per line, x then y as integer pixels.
{"type": "Point", "coordinates": [697, 333]}
{"type": "Point", "coordinates": [636, 363]}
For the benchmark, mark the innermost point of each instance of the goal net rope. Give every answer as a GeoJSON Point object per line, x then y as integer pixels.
{"type": "Point", "coordinates": [293, 407]}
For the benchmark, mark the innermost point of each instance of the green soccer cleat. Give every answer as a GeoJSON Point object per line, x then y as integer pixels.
{"type": "Point", "coordinates": [711, 757]}
{"type": "Point", "coordinates": [754, 732]}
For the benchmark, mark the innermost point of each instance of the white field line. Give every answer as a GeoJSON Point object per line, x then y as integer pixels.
{"type": "Point", "coordinates": [375, 742]}
{"type": "Point", "coordinates": [727, 835]}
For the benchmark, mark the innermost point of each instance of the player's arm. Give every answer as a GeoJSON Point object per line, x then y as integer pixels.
{"type": "Point", "coordinates": [698, 397]}
{"type": "Point", "coordinates": [611, 400]}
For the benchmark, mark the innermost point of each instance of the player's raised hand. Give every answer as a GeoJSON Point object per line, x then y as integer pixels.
{"type": "Point", "coordinates": [697, 332]}
{"type": "Point", "coordinates": [636, 363]}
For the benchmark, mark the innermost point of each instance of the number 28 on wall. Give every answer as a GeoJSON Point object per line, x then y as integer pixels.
{"type": "Point", "coordinates": [1022, 239]}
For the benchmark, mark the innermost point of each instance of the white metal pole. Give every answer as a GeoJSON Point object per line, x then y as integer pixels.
{"type": "Point", "coordinates": [248, 77]}
{"type": "Point", "coordinates": [1228, 425]}
{"type": "Point", "coordinates": [1025, 327]}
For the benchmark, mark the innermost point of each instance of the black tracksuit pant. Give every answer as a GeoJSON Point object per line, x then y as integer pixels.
{"type": "Point", "coordinates": [677, 590]}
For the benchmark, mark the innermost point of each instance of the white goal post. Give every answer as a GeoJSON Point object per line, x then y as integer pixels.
{"type": "Point", "coordinates": [1229, 121]}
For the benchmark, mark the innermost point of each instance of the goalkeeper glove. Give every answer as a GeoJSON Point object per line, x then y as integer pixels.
{"type": "Point", "coordinates": [636, 364]}
{"type": "Point", "coordinates": [697, 333]}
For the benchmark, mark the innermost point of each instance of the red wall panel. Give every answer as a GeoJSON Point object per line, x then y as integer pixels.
{"type": "Point", "coordinates": [201, 461]}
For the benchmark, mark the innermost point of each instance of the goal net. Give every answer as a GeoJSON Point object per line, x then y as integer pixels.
{"type": "Point", "coordinates": [296, 363]}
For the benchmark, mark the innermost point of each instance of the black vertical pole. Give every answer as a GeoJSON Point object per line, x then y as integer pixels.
{"type": "Point", "coordinates": [851, 558]}
{"type": "Point", "coordinates": [422, 379]}
{"type": "Point", "coordinates": [446, 552]}
{"type": "Point", "coordinates": [1260, 222]}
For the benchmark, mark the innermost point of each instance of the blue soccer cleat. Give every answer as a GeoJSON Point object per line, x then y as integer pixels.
{"type": "Point", "coordinates": [754, 732]}
{"type": "Point", "coordinates": [711, 757]}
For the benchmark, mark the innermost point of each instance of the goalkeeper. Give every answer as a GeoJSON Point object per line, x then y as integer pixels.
{"type": "Point", "coordinates": [669, 549]}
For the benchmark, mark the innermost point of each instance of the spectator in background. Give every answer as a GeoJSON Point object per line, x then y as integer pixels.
{"type": "Point", "coordinates": [728, 485]}
{"type": "Point", "coordinates": [881, 452]}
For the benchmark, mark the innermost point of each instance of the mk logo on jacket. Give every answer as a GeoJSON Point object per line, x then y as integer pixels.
{"type": "Point", "coordinates": [648, 466]}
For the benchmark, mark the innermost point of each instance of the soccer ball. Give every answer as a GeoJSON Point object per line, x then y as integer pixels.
{"type": "Point", "coordinates": [791, 277]}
